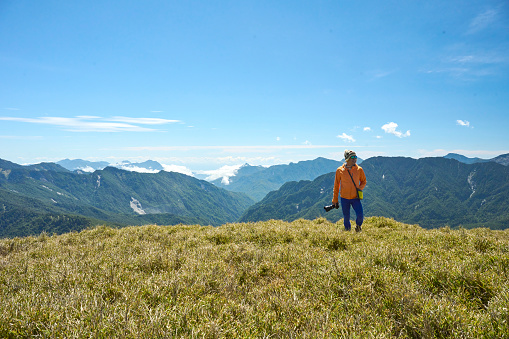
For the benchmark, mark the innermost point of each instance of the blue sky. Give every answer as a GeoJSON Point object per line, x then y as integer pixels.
{"type": "Point", "coordinates": [205, 84]}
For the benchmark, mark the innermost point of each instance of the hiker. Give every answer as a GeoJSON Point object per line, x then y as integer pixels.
{"type": "Point", "coordinates": [350, 179]}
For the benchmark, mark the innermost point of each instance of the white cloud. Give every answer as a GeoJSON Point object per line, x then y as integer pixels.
{"type": "Point", "coordinates": [307, 142]}
{"type": "Point", "coordinates": [95, 124]}
{"type": "Point", "coordinates": [484, 58]}
{"type": "Point", "coordinates": [178, 169]}
{"type": "Point", "coordinates": [133, 168]}
{"type": "Point", "coordinates": [391, 129]}
{"type": "Point", "coordinates": [224, 172]}
{"type": "Point", "coordinates": [463, 59]}
{"type": "Point", "coordinates": [278, 138]}
{"type": "Point", "coordinates": [143, 121]}
{"type": "Point", "coordinates": [87, 169]}
{"type": "Point", "coordinates": [88, 117]}
{"type": "Point", "coordinates": [346, 137]}
{"type": "Point", "coordinates": [482, 21]}
{"type": "Point", "coordinates": [471, 66]}
{"type": "Point", "coordinates": [380, 74]}
{"type": "Point", "coordinates": [463, 123]}
{"type": "Point", "coordinates": [367, 129]}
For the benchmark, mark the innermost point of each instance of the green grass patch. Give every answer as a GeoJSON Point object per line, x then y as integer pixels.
{"type": "Point", "coordinates": [266, 279]}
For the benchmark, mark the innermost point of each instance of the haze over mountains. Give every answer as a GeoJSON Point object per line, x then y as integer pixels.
{"type": "Point", "coordinates": [432, 192]}
{"type": "Point", "coordinates": [257, 181]}
{"type": "Point", "coordinates": [501, 159]}
{"type": "Point", "coordinates": [49, 197]}
{"type": "Point", "coordinates": [246, 169]}
{"type": "Point", "coordinates": [148, 166]}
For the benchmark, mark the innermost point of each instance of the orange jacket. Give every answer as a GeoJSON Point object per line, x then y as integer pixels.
{"type": "Point", "coordinates": [343, 183]}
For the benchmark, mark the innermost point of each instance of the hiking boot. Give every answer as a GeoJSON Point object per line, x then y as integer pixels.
{"type": "Point", "coordinates": [358, 228]}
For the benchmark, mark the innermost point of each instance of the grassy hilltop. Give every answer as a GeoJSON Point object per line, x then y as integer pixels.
{"type": "Point", "coordinates": [266, 279]}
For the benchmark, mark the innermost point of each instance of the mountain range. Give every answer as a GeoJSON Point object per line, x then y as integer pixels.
{"type": "Point", "coordinates": [432, 192]}
{"type": "Point", "coordinates": [501, 159]}
{"type": "Point", "coordinates": [254, 181]}
{"type": "Point", "coordinates": [257, 181]}
{"type": "Point", "coordinates": [47, 197]}
{"type": "Point", "coordinates": [81, 166]}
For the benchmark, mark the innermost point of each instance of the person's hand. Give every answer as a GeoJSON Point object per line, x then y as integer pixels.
{"type": "Point", "coordinates": [336, 205]}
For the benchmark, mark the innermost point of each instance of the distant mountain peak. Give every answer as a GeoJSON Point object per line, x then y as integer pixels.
{"type": "Point", "coordinates": [502, 159]}
{"type": "Point", "coordinates": [82, 165]}
{"type": "Point", "coordinates": [257, 181]}
{"type": "Point", "coordinates": [464, 159]}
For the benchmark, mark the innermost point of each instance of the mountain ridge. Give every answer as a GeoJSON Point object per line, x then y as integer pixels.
{"type": "Point", "coordinates": [434, 191]}
{"type": "Point", "coordinates": [502, 159]}
{"type": "Point", "coordinates": [114, 196]}
{"type": "Point", "coordinates": [464, 159]}
{"type": "Point", "coordinates": [257, 182]}
{"type": "Point", "coordinates": [41, 196]}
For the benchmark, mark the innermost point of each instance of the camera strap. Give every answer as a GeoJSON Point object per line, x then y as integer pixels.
{"type": "Point", "coordinates": [352, 178]}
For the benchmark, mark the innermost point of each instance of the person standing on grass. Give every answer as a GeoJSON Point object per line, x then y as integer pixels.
{"type": "Point", "coordinates": [350, 178]}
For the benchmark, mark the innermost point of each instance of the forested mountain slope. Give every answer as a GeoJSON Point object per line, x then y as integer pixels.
{"type": "Point", "coordinates": [28, 194]}
{"type": "Point", "coordinates": [431, 191]}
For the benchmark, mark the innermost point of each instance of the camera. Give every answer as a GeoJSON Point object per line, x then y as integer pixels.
{"type": "Point", "coordinates": [328, 208]}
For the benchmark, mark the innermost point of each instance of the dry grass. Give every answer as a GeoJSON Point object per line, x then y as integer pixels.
{"type": "Point", "coordinates": [268, 279]}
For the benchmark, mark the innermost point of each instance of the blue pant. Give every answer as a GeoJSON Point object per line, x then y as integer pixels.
{"type": "Point", "coordinates": [357, 207]}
